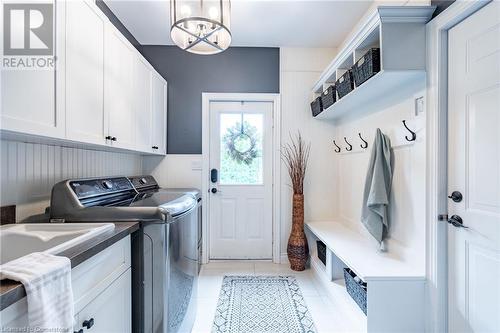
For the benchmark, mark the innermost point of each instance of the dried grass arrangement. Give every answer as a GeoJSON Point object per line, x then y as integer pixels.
{"type": "Point", "coordinates": [295, 155]}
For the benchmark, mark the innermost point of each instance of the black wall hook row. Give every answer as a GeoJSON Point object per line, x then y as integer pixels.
{"type": "Point", "coordinates": [350, 146]}
{"type": "Point", "coordinates": [413, 134]}
{"type": "Point", "coordinates": [365, 144]}
{"type": "Point", "coordinates": [337, 150]}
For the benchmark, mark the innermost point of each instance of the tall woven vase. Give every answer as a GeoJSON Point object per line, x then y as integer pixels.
{"type": "Point", "coordinates": [297, 249]}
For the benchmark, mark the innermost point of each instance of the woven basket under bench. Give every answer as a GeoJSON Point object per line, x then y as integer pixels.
{"type": "Point", "coordinates": [357, 290]}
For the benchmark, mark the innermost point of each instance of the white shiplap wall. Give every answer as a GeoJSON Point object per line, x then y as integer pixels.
{"type": "Point", "coordinates": [300, 68]}
{"type": "Point", "coordinates": [28, 171]}
{"type": "Point", "coordinates": [407, 202]}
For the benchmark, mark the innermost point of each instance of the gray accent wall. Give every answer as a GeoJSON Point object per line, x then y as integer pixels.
{"type": "Point", "coordinates": [236, 70]}
{"type": "Point", "coordinates": [440, 6]}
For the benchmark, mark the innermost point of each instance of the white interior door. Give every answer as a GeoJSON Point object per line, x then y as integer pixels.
{"type": "Point", "coordinates": [474, 171]}
{"type": "Point", "coordinates": [241, 188]}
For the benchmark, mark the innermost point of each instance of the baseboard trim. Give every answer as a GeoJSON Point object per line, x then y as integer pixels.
{"type": "Point", "coordinates": [284, 258]}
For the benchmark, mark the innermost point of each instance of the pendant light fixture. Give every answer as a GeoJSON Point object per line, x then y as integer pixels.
{"type": "Point", "coordinates": [200, 26]}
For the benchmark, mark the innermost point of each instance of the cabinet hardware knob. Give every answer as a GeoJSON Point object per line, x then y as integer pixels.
{"type": "Point", "coordinates": [88, 323]}
{"type": "Point", "coordinates": [113, 138]}
{"type": "Point", "coordinates": [108, 137]}
{"type": "Point", "coordinates": [155, 147]}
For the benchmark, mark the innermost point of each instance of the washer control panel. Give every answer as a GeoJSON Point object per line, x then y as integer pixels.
{"type": "Point", "coordinates": [94, 187]}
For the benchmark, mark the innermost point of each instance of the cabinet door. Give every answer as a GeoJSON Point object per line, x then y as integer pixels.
{"type": "Point", "coordinates": [159, 137]}
{"type": "Point", "coordinates": [111, 311]}
{"type": "Point", "coordinates": [84, 72]}
{"type": "Point", "coordinates": [143, 106]}
{"type": "Point", "coordinates": [118, 79]}
{"type": "Point", "coordinates": [28, 96]}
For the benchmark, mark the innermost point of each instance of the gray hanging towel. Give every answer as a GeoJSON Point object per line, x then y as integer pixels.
{"type": "Point", "coordinates": [374, 215]}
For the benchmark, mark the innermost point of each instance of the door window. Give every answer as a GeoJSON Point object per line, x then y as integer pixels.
{"type": "Point", "coordinates": [241, 136]}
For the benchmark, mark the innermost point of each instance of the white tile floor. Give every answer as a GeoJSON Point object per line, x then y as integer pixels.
{"type": "Point", "coordinates": [339, 315]}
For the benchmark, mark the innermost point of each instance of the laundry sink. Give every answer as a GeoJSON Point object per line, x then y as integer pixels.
{"type": "Point", "coordinates": [17, 240]}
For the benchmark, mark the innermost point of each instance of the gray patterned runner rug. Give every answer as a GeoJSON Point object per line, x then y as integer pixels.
{"type": "Point", "coordinates": [258, 304]}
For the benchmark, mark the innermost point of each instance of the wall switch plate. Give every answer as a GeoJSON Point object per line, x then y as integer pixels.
{"type": "Point", "coordinates": [419, 105]}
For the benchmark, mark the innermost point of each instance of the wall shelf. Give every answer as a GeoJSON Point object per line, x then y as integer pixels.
{"type": "Point", "coordinates": [399, 32]}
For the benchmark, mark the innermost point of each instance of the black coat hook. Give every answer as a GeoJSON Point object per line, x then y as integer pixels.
{"type": "Point", "coordinates": [413, 134]}
{"type": "Point", "coordinates": [365, 144]}
{"type": "Point", "coordinates": [350, 146]}
{"type": "Point", "coordinates": [337, 150]}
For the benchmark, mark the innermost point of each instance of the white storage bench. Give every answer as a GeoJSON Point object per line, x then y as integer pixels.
{"type": "Point", "coordinates": [395, 285]}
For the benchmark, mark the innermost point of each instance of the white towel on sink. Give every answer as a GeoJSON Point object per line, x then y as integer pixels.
{"type": "Point", "coordinates": [47, 280]}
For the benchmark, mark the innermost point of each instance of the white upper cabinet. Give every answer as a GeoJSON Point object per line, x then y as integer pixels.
{"type": "Point", "coordinates": [159, 100]}
{"type": "Point", "coordinates": [84, 73]}
{"type": "Point", "coordinates": [118, 89]}
{"type": "Point", "coordinates": [102, 92]}
{"type": "Point", "coordinates": [143, 110]}
{"type": "Point", "coordinates": [28, 98]}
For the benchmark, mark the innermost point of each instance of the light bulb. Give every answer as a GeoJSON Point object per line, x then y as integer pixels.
{"type": "Point", "coordinates": [213, 13]}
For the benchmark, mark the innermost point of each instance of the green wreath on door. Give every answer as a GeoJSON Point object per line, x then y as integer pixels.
{"type": "Point", "coordinates": [241, 143]}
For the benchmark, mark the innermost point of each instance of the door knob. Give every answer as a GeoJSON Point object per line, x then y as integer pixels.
{"type": "Point", "coordinates": [88, 323]}
{"type": "Point", "coordinates": [456, 196]}
{"type": "Point", "coordinates": [456, 221]}
{"type": "Point", "coordinates": [213, 190]}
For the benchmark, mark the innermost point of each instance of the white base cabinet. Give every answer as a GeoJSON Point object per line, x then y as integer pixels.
{"type": "Point", "coordinates": [102, 91]}
{"type": "Point", "coordinates": [101, 290]}
{"type": "Point", "coordinates": [110, 311]}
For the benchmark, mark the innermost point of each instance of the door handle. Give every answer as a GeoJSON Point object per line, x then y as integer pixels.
{"type": "Point", "coordinates": [456, 196]}
{"type": "Point", "coordinates": [456, 221]}
{"type": "Point", "coordinates": [88, 323]}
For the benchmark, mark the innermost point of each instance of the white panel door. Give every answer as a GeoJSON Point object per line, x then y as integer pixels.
{"type": "Point", "coordinates": [111, 311]}
{"type": "Point", "coordinates": [474, 171]}
{"type": "Point", "coordinates": [84, 72]}
{"type": "Point", "coordinates": [28, 97]}
{"type": "Point", "coordinates": [143, 110]}
{"type": "Point", "coordinates": [118, 80]}
{"type": "Point", "coordinates": [159, 100]}
{"type": "Point", "coordinates": [241, 194]}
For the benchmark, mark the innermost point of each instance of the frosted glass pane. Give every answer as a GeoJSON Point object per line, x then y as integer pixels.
{"type": "Point", "coordinates": [241, 136]}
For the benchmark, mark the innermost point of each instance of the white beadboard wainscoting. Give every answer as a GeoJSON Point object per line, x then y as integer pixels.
{"type": "Point", "coordinates": [29, 170]}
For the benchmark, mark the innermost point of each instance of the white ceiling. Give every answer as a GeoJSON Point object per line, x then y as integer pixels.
{"type": "Point", "coordinates": [259, 23]}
